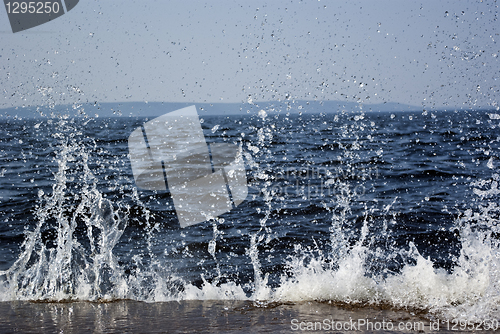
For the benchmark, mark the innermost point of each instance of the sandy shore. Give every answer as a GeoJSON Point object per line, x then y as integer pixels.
{"type": "Point", "coordinates": [209, 317]}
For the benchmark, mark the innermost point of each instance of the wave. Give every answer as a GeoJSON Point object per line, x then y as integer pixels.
{"type": "Point", "coordinates": [69, 254]}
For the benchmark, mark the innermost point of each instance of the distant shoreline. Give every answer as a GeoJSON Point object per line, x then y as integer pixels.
{"type": "Point", "coordinates": [153, 109]}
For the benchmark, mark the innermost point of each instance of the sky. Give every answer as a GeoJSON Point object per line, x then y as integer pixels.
{"type": "Point", "coordinates": [434, 54]}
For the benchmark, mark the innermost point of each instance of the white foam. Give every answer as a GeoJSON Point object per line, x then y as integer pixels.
{"type": "Point", "coordinates": [225, 291]}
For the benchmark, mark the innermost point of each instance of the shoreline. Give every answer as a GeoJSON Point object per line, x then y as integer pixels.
{"type": "Point", "coordinates": [127, 316]}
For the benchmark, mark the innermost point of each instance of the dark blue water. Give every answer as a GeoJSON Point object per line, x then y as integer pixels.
{"type": "Point", "coordinates": [397, 209]}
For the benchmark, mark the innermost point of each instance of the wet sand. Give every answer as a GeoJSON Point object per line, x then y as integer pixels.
{"type": "Point", "coordinates": [208, 317]}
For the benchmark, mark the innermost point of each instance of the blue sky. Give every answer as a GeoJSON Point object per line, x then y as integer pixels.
{"type": "Point", "coordinates": [432, 54]}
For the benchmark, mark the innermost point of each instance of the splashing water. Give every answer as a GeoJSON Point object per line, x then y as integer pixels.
{"type": "Point", "coordinates": [351, 245]}
{"type": "Point", "coordinates": [66, 269]}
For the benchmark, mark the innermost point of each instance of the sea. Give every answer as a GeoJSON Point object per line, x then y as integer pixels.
{"type": "Point", "coordinates": [385, 221]}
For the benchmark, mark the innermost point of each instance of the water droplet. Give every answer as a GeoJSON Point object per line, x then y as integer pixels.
{"type": "Point", "coordinates": [262, 114]}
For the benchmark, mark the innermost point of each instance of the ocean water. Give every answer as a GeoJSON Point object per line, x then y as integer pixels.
{"type": "Point", "coordinates": [396, 210]}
